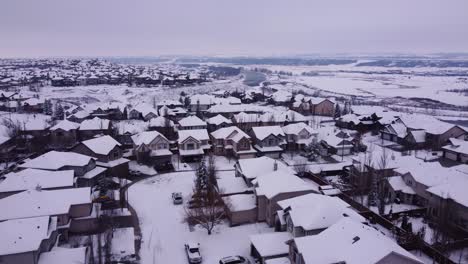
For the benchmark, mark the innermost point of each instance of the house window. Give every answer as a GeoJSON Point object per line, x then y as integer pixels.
{"type": "Point", "coordinates": [162, 146]}
{"type": "Point", "coordinates": [190, 146]}
{"type": "Point", "coordinates": [59, 134]}
{"type": "Point", "coordinates": [115, 154]}
{"type": "Point", "coordinates": [271, 142]}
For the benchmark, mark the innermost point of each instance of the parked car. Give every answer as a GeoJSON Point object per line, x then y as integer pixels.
{"type": "Point", "coordinates": [177, 198]}
{"type": "Point", "coordinates": [234, 260]}
{"type": "Point", "coordinates": [193, 253]}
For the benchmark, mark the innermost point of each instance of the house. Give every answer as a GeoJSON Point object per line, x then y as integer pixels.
{"type": "Point", "coordinates": [269, 140]}
{"type": "Point", "coordinates": [108, 153]}
{"type": "Point", "coordinates": [191, 122]}
{"type": "Point", "coordinates": [246, 121]}
{"type": "Point", "coordinates": [78, 116]}
{"type": "Point", "coordinates": [298, 136]}
{"type": "Point", "coordinates": [15, 182]}
{"type": "Point", "coordinates": [125, 129]}
{"type": "Point", "coordinates": [312, 213]}
{"type": "Point", "coordinates": [269, 246]}
{"type": "Point", "coordinates": [250, 169]}
{"type": "Point", "coordinates": [112, 111]}
{"type": "Point", "coordinates": [57, 255]}
{"type": "Point", "coordinates": [348, 241]}
{"type": "Point", "coordinates": [64, 135]}
{"type": "Point", "coordinates": [7, 145]}
{"type": "Point", "coordinates": [277, 186]}
{"type": "Point", "coordinates": [201, 102]}
{"type": "Point", "coordinates": [33, 105]}
{"type": "Point", "coordinates": [217, 122]}
{"type": "Point", "coordinates": [338, 143]}
{"type": "Point", "coordinates": [281, 97]}
{"type": "Point", "coordinates": [143, 111]}
{"type": "Point", "coordinates": [232, 142]}
{"type": "Point", "coordinates": [193, 144]}
{"type": "Point", "coordinates": [164, 126]}
{"type": "Point", "coordinates": [151, 147]}
{"type": "Point", "coordinates": [242, 208]}
{"type": "Point", "coordinates": [84, 167]}
{"type": "Point", "coordinates": [65, 204]}
{"type": "Point", "coordinates": [456, 150]}
{"type": "Point", "coordinates": [322, 107]}
{"type": "Point", "coordinates": [93, 127]}
{"type": "Point", "coordinates": [24, 240]}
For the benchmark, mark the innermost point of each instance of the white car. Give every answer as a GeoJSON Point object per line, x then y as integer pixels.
{"type": "Point", "coordinates": [234, 260]}
{"type": "Point", "coordinates": [193, 253]}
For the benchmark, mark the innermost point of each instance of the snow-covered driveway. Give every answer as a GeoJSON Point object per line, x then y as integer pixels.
{"type": "Point", "coordinates": [164, 232]}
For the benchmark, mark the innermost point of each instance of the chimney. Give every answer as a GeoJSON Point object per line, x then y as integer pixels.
{"type": "Point", "coordinates": [275, 166]}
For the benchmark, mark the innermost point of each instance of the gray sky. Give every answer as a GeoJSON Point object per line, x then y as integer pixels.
{"type": "Point", "coordinates": [235, 27]}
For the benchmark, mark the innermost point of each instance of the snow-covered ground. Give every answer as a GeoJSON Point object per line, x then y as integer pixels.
{"type": "Point", "coordinates": [164, 231]}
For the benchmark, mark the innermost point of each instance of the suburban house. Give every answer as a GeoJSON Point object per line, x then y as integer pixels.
{"type": "Point", "coordinates": [281, 97]}
{"type": "Point", "coordinates": [217, 122]}
{"type": "Point", "coordinates": [270, 247]}
{"type": "Point", "coordinates": [164, 126]}
{"type": "Point", "coordinates": [15, 182]}
{"type": "Point", "coordinates": [232, 142]}
{"type": "Point", "coordinates": [299, 135]}
{"type": "Point", "coordinates": [312, 213]}
{"type": "Point", "coordinates": [348, 241]}
{"type": "Point", "coordinates": [201, 102]}
{"type": "Point", "coordinates": [277, 186]}
{"type": "Point", "coordinates": [191, 122]}
{"type": "Point", "coordinates": [151, 147]}
{"type": "Point", "coordinates": [112, 111]}
{"type": "Point", "coordinates": [78, 116]}
{"type": "Point", "coordinates": [80, 255]}
{"type": "Point", "coordinates": [24, 240]}
{"type": "Point", "coordinates": [84, 167]}
{"type": "Point", "coordinates": [250, 169]}
{"type": "Point", "coordinates": [193, 144]}
{"type": "Point", "coordinates": [143, 111]}
{"type": "Point", "coordinates": [108, 153]}
{"type": "Point", "coordinates": [241, 209]}
{"type": "Point", "coordinates": [431, 132]}
{"type": "Point", "coordinates": [64, 135]}
{"type": "Point", "coordinates": [65, 204]}
{"type": "Point", "coordinates": [269, 140]}
{"type": "Point", "coordinates": [93, 127]}
{"type": "Point", "coordinates": [33, 105]}
{"type": "Point", "coordinates": [456, 150]}
{"type": "Point", "coordinates": [339, 143]}
{"type": "Point", "coordinates": [313, 105]}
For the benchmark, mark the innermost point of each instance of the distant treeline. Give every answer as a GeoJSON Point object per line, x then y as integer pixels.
{"type": "Point", "coordinates": [270, 61]}
{"type": "Point", "coordinates": [416, 63]}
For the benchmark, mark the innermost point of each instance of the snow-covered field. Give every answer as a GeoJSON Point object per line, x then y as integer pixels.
{"type": "Point", "coordinates": [164, 231]}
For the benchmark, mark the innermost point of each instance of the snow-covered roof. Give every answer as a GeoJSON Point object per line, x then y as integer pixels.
{"type": "Point", "coordinates": [428, 123]}
{"type": "Point", "coordinates": [457, 145]}
{"type": "Point", "coordinates": [398, 184]}
{"type": "Point", "coordinates": [95, 124]}
{"type": "Point", "coordinates": [25, 235]}
{"type": "Point", "coordinates": [264, 131]}
{"type": "Point", "coordinates": [271, 244]}
{"type": "Point", "coordinates": [202, 99]}
{"type": "Point", "coordinates": [296, 128]}
{"type": "Point", "coordinates": [277, 182]}
{"type": "Point", "coordinates": [160, 122]}
{"type": "Point", "coordinates": [430, 173]}
{"type": "Point", "coordinates": [146, 137]}
{"type": "Point", "coordinates": [240, 202]}
{"type": "Point", "coordinates": [232, 132]}
{"type": "Point", "coordinates": [55, 160]}
{"type": "Point", "coordinates": [59, 255]}
{"type": "Point", "coordinates": [255, 167]}
{"type": "Point", "coordinates": [218, 120]}
{"type": "Point", "coordinates": [145, 109]}
{"type": "Point", "coordinates": [198, 134]}
{"type": "Point", "coordinates": [454, 189]}
{"type": "Point", "coordinates": [101, 145]}
{"type": "Point", "coordinates": [33, 203]}
{"type": "Point", "coordinates": [350, 242]}
{"type": "Point", "coordinates": [65, 125]}
{"type": "Point", "coordinates": [33, 178]}
{"type": "Point", "coordinates": [191, 121]}
{"type": "Point", "coordinates": [284, 260]}
{"type": "Point", "coordinates": [281, 96]}
{"type": "Point", "coordinates": [317, 211]}
{"type": "Point", "coordinates": [229, 185]}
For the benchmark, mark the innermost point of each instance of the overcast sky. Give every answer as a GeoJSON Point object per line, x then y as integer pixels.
{"type": "Point", "coordinates": [235, 27]}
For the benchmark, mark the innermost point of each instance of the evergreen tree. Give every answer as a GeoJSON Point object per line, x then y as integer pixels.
{"type": "Point", "coordinates": [58, 113]}
{"type": "Point", "coordinates": [337, 111]}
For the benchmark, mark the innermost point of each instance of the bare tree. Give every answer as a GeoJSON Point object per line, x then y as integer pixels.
{"type": "Point", "coordinates": [300, 168]}
{"type": "Point", "coordinates": [442, 214]}
{"type": "Point", "coordinates": [381, 175]}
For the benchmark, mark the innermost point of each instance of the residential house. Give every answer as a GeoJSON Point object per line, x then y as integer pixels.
{"type": "Point", "coordinates": [64, 135]}
{"type": "Point", "coordinates": [91, 128]}
{"type": "Point", "coordinates": [151, 147]}
{"type": "Point", "coordinates": [191, 122]}
{"type": "Point", "coordinates": [217, 122]}
{"type": "Point", "coordinates": [322, 107]}
{"type": "Point", "coordinates": [456, 150]}
{"type": "Point", "coordinates": [193, 144]}
{"type": "Point", "coordinates": [84, 167]}
{"type": "Point", "coordinates": [232, 142]}
{"type": "Point", "coordinates": [164, 126]}
{"type": "Point", "coordinates": [24, 240]}
{"type": "Point", "coordinates": [298, 136]}
{"type": "Point", "coordinates": [337, 143]}
{"type": "Point", "coordinates": [15, 182]}
{"type": "Point", "coordinates": [80, 255]}
{"type": "Point", "coordinates": [108, 153]}
{"type": "Point", "coordinates": [250, 169]}
{"type": "Point", "coordinates": [269, 140]}
{"type": "Point", "coordinates": [348, 241]}
{"type": "Point", "coordinates": [268, 247]}
{"type": "Point", "coordinates": [143, 111]}
{"type": "Point", "coordinates": [201, 102]}
{"type": "Point", "coordinates": [33, 105]}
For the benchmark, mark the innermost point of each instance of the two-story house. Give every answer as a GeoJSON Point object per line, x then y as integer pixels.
{"type": "Point", "coordinates": [93, 127]}
{"type": "Point", "coordinates": [232, 142]}
{"type": "Point", "coordinates": [64, 135]}
{"type": "Point", "coordinates": [269, 140]}
{"type": "Point", "coordinates": [151, 147]}
{"type": "Point", "coordinates": [299, 135]}
{"type": "Point", "coordinates": [193, 144]}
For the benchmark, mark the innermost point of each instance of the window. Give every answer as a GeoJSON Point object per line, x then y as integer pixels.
{"type": "Point", "coordinates": [115, 154]}
{"type": "Point", "coordinates": [271, 142]}
{"type": "Point", "coordinates": [59, 134]}
{"type": "Point", "coordinates": [190, 146]}
{"type": "Point", "coordinates": [162, 146]}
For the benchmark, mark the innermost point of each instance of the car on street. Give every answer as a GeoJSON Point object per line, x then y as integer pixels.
{"type": "Point", "coordinates": [177, 198]}
{"type": "Point", "coordinates": [234, 260]}
{"type": "Point", "coordinates": [193, 253]}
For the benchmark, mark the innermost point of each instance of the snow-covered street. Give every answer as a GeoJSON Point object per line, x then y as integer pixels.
{"type": "Point", "coordinates": [164, 231]}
